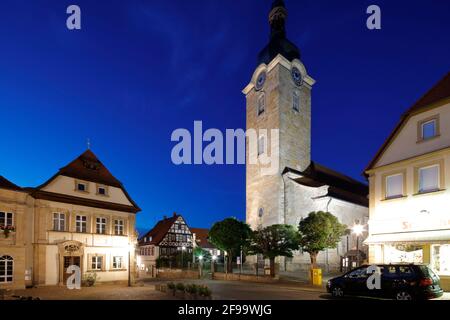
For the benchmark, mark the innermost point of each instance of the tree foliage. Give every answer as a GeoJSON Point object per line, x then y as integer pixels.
{"type": "Point", "coordinates": [275, 241]}
{"type": "Point", "coordinates": [318, 231]}
{"type": "Point", "coordinates": [230, 235]}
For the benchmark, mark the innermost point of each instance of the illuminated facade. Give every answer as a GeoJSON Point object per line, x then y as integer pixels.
{"type": "Point", "coordinates": [409, 182]}
{"type": "Point", "coordinates": [81, 216]}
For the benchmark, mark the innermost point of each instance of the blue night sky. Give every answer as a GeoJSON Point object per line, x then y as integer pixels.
{"type": "Point", "coordinates": [140, 69]}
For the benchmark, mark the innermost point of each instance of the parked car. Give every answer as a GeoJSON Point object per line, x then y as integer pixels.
{"type": "Point", "coordinates": [397, 281]}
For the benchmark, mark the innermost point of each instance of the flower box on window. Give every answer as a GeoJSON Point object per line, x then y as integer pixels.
{"type": "Point", "coordinates": [7, 230]}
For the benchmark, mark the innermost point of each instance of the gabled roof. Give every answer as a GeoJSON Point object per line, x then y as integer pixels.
{"type": "Point", "coordinates": [159, 231]}
{"type": "Point", "coordinates": [6, 184]}
{"type": "Point", "coordinates": [89, 168]}
{"type": "Point", "coordinates": [436, 94]}
{"type": "Point", "coordinates": [340, 186]}
{"type": "Point", "coordinates": [201, 236]}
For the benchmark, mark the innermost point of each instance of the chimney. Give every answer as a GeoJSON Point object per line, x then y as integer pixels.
{"type": "Point", "coordinates": [174, 214]}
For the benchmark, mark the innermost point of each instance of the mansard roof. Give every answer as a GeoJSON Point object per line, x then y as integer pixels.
{"type": "Point", "coordinates": [437, 94]}
{"type": "Point", "coordinates": [6, 184]}
{"type": "Point", "coordinates": [340, 186]}
{"type": "Point", "coordinates": [159, 230]}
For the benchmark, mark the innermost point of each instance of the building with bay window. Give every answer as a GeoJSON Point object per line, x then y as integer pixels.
{"type": "Point", "coordinates": [409, 182]}
{"type": "Point", "coordinates": [81, 216]}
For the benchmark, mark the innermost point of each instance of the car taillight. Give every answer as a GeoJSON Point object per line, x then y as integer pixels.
{"type": "Point", "coordinates": [426, 282]}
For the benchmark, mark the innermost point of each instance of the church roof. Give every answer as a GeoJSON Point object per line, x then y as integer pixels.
{"type": "Point", "coordinates": [6, 184]}
{"type": "Point", "coordinates": [159, 231]}
{"type": "Point", "coordinates": [340, 186]}
{"type": "Point", "coordinates": [436, 94]}
{"type": "Point", "coordinates": [278, 44]}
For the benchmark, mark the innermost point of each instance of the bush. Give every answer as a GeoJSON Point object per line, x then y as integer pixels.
{"type": "Point", "coordinates": [90, 279]}
{"type": "Point", "coordinates": [204, 291]}
{"type": "Point", "coordinates": [171, 286]}
{"type": "Point", "coordinates": [180, 287]}
{"type": "Point", "coordinates": [192, 289]}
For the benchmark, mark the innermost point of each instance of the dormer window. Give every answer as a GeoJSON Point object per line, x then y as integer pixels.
{"type": "Point", "coordinates": [81, 186]}
{"type": "Point", "coordinates": [428, 128]}
{"type": "Point", "coordinates": [102, 190]}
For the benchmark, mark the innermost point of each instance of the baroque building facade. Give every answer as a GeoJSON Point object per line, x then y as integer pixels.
{"type": "Point", "coordinates": [81, 216]}
{"type": "Point", "coordinates": [278, 97]}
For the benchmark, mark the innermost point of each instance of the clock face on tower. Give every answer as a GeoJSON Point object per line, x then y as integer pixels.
{"type": "Point", "coordinates": [260, 80]}
{"type": "Point", "coordinates": [296, 76]}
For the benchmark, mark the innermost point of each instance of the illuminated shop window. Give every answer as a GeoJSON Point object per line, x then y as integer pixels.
{"type": "Point", "coordinates": [440, 259]}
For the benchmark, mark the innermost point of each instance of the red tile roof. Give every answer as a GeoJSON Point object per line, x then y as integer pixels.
{"type": "Point", "coordinates": [437, 93]}
{"type": "Point", "coordinates": [201, 237]}
{"type": "Point", "coordinates": [89, 168]}
{"type": "Point", "coordinates": [159, 231]}
{"type": "Point", "coordinates": [6, 184]}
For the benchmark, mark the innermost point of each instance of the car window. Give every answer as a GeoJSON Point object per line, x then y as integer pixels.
{"type": "Point", "coordinates": [405, 270]}
{"type": "Point", "coordinates": [358, 273]}
{"type": "Point", "coordinates": [389, 271]}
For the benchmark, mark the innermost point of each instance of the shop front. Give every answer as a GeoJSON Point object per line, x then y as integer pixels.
{"type": "Point", "coordinates": [420, 247]}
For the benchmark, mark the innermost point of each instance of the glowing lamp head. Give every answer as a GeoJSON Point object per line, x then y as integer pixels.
{"type": "Point", "coordinates": [183, 248]}
{"type": "Point", "coordinates": [358, 229]}
{"type": "Point", "coordinates": [200, 257]}
{"type": "Point", "coordinates": [214, 258]}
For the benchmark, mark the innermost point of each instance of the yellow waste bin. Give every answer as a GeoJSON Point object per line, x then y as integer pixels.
{"type": "Point", "coordinates": [317, 277]}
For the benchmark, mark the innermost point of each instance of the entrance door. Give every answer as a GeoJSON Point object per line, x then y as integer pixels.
{"type": "Point", "coordinates": [69, 261]}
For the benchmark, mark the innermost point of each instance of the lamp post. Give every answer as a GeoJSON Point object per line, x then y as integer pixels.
{"type": "Point", "coordinates": [213, 260]}
{"type": "Point", "coordinates": [130, 247]}
{"type": "Point", "coordinates": [357, 229]}
{"type": "Point", "coordinates": [183, 248]}
{"type": "Point", "coordinates": [200, 259]}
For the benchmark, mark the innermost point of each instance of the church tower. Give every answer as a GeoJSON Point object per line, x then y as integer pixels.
{"type": "Point", "coordinates": [277, 97]}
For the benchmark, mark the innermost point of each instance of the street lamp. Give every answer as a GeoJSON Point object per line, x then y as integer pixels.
{"type": "Point", "coordinates": [213, 260]}
{"type": "Point", "coordinates": [358, 229]}
{"type": "Point", "coordinates": [183, 248]}
{"type": "Point", "coordinates": [130, 247]}
{"type": "Point", "coordinates": [200, 258]}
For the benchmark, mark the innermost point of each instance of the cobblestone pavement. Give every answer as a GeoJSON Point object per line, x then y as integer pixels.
{"type": "Point", "coordinates": [222, 290]}
{"type": "Point", "coordinates": [101, 292]}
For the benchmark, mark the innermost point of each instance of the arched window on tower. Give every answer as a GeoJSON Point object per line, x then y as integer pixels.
{"type": "Point", "coordinates": [6, 269]}
{"type": "Point", "coordinates": [261, 145]}
{"type": "Point", "coordinates": [261, 106]}
{"type": "Point", "coordinates": [296, 101]}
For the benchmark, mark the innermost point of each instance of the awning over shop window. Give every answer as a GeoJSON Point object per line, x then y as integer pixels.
{"type": "Point", "coordinates": [437, 236]}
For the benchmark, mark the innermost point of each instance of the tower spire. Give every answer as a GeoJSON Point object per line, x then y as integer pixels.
{"type": "Point", "coordinates": [277, 19]}
{"type": "Point", "coordinates": [278, 44]}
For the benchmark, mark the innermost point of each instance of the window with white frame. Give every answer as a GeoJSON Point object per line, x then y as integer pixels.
{"type": "Point", "coordinates": [394, 186]}
{"type": "Point", "coordinates": [59, 221]}
{"type": "Point", "coordinates": [429, 129]}
{"type": "Point", "coordinates": [296, 101]}
{"type": "Point", "coordinates": [6, 219]}
{"type": "Point", "coordinates": [81, 186]}
{"type": "Point", "coordinates": [97, 262]}
{"type": "Point", "coordinates": [261, 103]}
{"type": "Point", "coordinates": [81, 223]}
{"type": "Point", "coordinates": [118, 227]}
{"type": "Point", "coordinates": [117, 262]}
{"type": "Point", "coordinates": [261, 145]}
{"type": "Point", "coordinates": [102, 190]}
{"type": "Point", "coordinates": [429, 179]}
{"type": "Point", "coordinates": [6, 269]}
{"type": "Point", "coordinates": [101, 225]}
{"type": "Point", "coordinates": [440, 259]}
